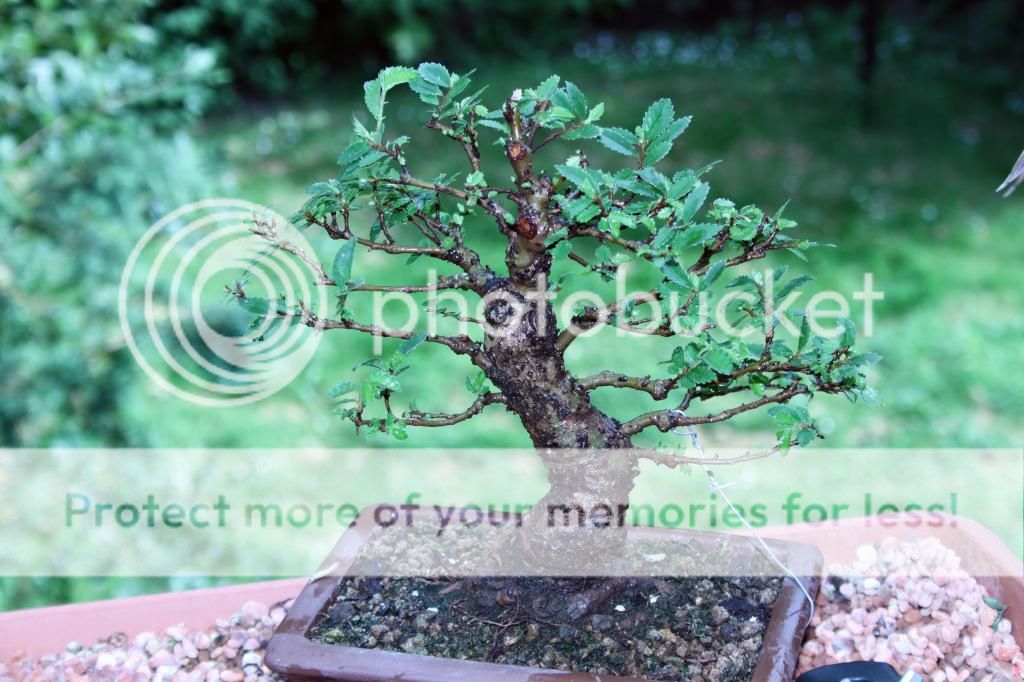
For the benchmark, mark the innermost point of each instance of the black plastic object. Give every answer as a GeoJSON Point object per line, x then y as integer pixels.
{"type": "Point", "coordinates": [858, 671]}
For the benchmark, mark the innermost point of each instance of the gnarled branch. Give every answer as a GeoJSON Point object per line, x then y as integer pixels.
{"type": "Point", "coordinates": [656, 388]}
{"type": "Point", "coordinates": [461, 344]}
{"type": "Point", "coordinates": [666, 420]}
{"type": "Point", "coordinates": [434, 419]}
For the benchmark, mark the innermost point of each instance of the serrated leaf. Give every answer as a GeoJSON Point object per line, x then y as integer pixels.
{"type": "Point", "coordinates": [719, 360]}
{"type": "Point", "coordinates": [572, 99]}
{"type": "Point", "coordinates": [805, 436]}
{"type": "Point", "coordinates": [694, 235]}
{"type": "Point", "coordinates": [676, 276]}
{"type": "Point", "coordinates": [657, 117]}
{"type": "Point", "coordinates": [619, 140]}
{"type": "Point", "coordinates": [395, 75]}
{"type": "Point", "coordinates": [547, 88]}
{"type": "Point", "coordinates": [373, 95]}
{"type": "Point", "coordinates": [580, 177]}
{"type": "Point", "coordinates": [674, 129]}
{"type": "Point", "coordinates": [341, 389]}
{"type": "Point", "coordinates": [791, 285]}
{"type": "Point", "coordinates": [849, 335]}
{"type": "Point", "coordinates": [341, 269]}
{"type": "Point", "coordinates": [805, 334]}
{"type": "Point", "coordinates": [693, 202]}
{"type": "Point", "coordinates": [435, 73]}
{"type": "Point", "coordinates": [587, 131]}
{"type": "Point", "coordinates": [713, 273]}
{"type": "Point", "coordinates": [656, 151]}
{"type": "Point", "coordinates": [256, 306]}
{"type": "Point", "coordinates": [500, 126]}
{"type": "Point", "coordinates": [375, 91]}
{"type": "Point", "coordinates": [412, 343]}
{"type": "Point", "coordinates": [561, 250]}
{"type": "Point", "coordinates": [429, 92]}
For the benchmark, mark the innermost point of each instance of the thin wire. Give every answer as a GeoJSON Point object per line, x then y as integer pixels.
{"type": "Point", "coordinates": [719, 488]}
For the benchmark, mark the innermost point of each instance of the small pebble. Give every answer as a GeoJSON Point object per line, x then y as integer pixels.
{"type": "Point", "coordinates": [909, 604]}
{"type": "Point", "coordinates": [175, 654]}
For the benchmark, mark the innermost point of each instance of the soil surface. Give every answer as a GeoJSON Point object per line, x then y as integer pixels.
{"type": "Point", "coordinates": [662, 628]}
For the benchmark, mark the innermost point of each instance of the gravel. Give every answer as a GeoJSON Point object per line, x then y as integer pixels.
{"type": "Point", "coordinates": [911, 605]}
{"type": "Point", "coordinates": [229, 651]}
{"type": "Point", "coordinates": [906, 603]}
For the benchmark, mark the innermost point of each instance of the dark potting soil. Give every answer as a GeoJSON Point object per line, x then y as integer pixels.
{"type": "Point", "coordinates": [662, 628]}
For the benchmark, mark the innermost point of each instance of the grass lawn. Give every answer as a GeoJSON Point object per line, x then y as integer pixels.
{"type": "Point", "coordinates": [909, 198]}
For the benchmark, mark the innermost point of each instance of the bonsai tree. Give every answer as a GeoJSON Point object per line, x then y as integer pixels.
{"type": "Point", "coordinates": [571, 214]}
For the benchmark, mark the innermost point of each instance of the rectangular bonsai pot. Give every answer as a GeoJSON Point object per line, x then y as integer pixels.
{"type": "Point", "coordinates": [293, 654]}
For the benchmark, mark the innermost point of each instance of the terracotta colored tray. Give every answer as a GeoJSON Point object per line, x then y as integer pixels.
{"type": "Point", "coordinates": [37, 632]}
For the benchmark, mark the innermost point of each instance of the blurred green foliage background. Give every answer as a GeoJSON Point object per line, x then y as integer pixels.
{"type": "Point", "coordinates": [888, 126]}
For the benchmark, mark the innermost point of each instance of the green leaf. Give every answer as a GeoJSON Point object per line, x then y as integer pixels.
{"type": "Point", "coordinates": [805, 334]}
{"type": "Point", "coordinates": [791, 285]}
{"type": "Point", "coordinates": [435, 73]}
{"type": "Point", "coordinates": [784, 415]}
{"type": "Point", "coordinates": [719, 360]}
{"type": "Point", "coordinates": [547, 88]}
{"type": "Point", "coordinates": [412, 343]}
{"type": "Point", "coordinates": [375, 91]}
{"type": "Point", "coordinates": [395, 75]}
{"type": "Point", "coordinates": [676, 276]}
{"type": "Point", "coordinates": [694, 200]}
{"type": "Point", "coordinates": [584, 132]}
{"type": "Point", "coordinates": [373, 95]}
{"type": "Point", "coordinates": [580, 177]}
{"type": "Point", "coordinates": [256, 306]}
{"type": "Point", "coordinates": [866, 359]}
{"type": "Point", "coordinates": [713, 273]}
{"type": "Point", "coordinates": [341, 389]}
{"type": "Point", "coordinates": [674, 129]}
{"type": "Point", "coordinates": [806, 436]}
{"type": "Point", "coordinates": [619, 140]}
{"type": "Point", "coordinates": [477, 384]}
{"type": "Point", "coordinates": [658, 116]}
{"type": "Point", "coordinates": [695, 234]}
{"type": "Point", "coordinates": [849, 335]}
{"type": "Point", "coordinates": [994, 603]}
{"type": "Point", "coordinates": [429, 92]}
{"type": "Point", "coordinates": [561, 250]}
{"type": "Point", "coordinates": [656, 151]}
{"type": "Point", "coordinates": [572, 99]}
{"type": "Point", "coordinates": [341, 270]}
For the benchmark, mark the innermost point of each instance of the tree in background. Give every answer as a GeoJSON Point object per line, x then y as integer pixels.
{"type": "Point", "coordinates": [93, 148]}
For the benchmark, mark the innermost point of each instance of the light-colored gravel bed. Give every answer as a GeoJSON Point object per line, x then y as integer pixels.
{"type": "Point", "coordinates": [910, 604]}
{"type": "Point", "coordinates": [229, 651]}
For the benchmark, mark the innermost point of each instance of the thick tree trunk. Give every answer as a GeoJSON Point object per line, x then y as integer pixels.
{"type": "Point", "coordinates": [591, 471]}
{"type": "Point", "coordinates": [590, 467]}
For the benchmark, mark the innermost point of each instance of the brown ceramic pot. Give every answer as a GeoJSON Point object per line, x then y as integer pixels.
{"type": "Point", "coordinates": [297, 657]}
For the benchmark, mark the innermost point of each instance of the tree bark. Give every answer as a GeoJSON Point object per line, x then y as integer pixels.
{"type": "Point", "coordinates": [591, 469]}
